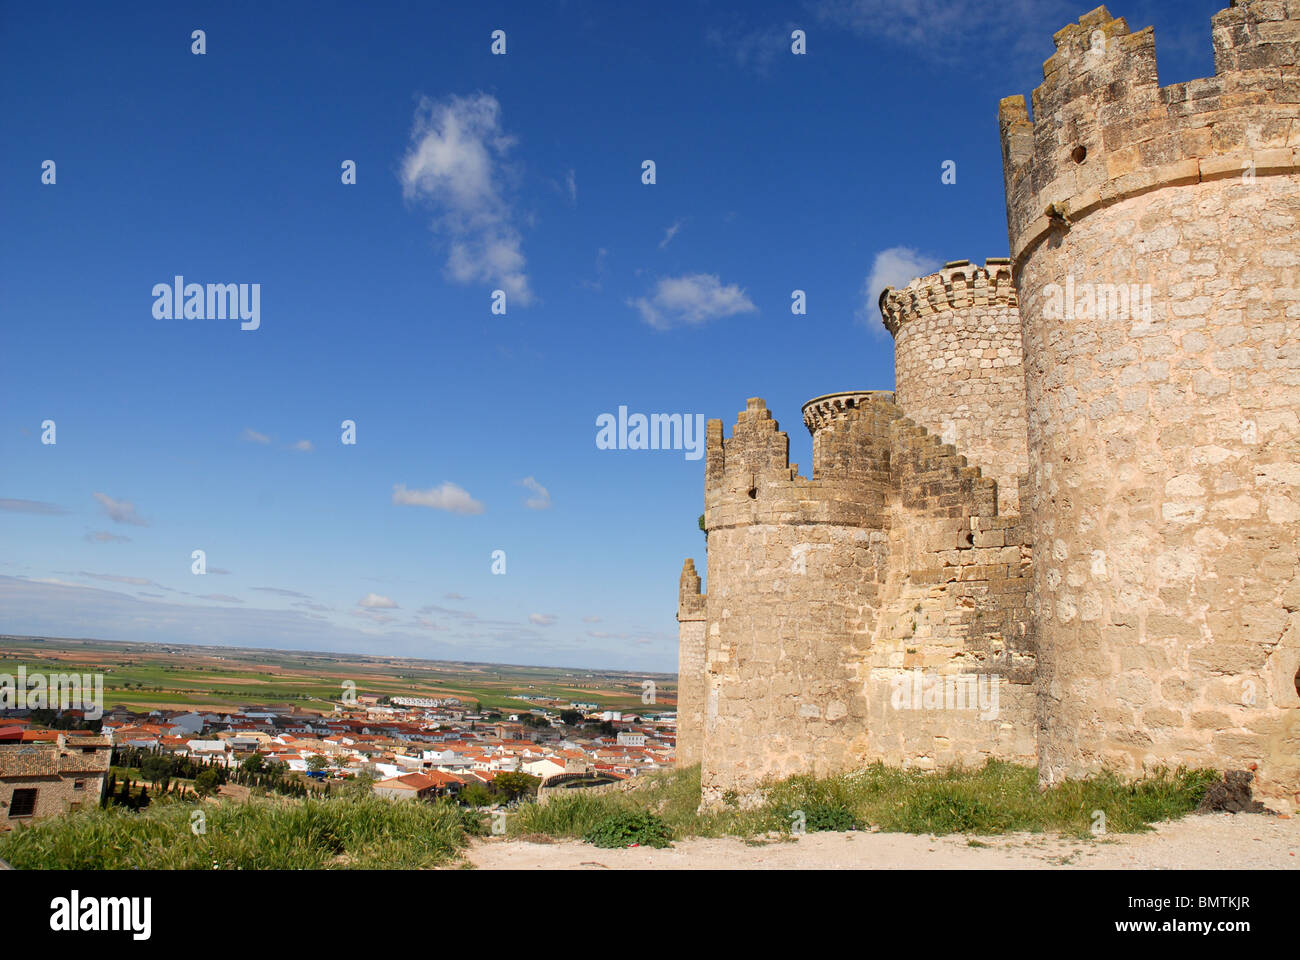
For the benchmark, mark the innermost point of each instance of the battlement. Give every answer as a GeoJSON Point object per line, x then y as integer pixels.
{"type": "Point", "coordinates": [749, 479]}
{"type": "Point", "coordinates": [822, 411]}
{"type": "Point", "coordinates": [957, 286]}
{"type": "Point", "coordinates": [1105, 130]}
{"type": "Point", "coordinates": [690, 601]}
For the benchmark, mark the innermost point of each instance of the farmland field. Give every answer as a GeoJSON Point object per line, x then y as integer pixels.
{"type": "Point", "coordinates": [157, 676]}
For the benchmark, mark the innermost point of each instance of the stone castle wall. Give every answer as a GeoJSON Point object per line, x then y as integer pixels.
{"type": "Point", "coordinates": [794, 572]}
{"type": "Point", "coordinates": [957, 365]}
{"type": "Point", "coordinates": [690, 667]}
{"type": "Point", "coordinates": [1155, 239]}
{"type": "Point", "coordinates": [1106, 532]}
{"type": "Point", "coordinates": [810, 578]}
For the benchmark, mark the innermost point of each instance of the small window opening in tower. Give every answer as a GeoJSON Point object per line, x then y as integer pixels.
{"type": "Point", "coordinates": [1297, 682]}
{"type": "Point", "coordinates": [849, 403]}
{"type": "Point", "coordinates": [1078, 153]}
{"type": "Point", "coordinates": [753, 493]}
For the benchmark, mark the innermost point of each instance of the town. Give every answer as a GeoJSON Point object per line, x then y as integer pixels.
{"type": "Point", "coordinates": [419, 748]}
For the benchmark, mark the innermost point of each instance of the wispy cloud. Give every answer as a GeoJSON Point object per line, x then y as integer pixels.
{"type": "Point", "coordinates": [894, 267]}
{"type": "Point", "coordinates": [281, 592]}
{"type": "Point", "coordinates": [669, 233]}
{"type": "Point", "coordinates": [542, 500]}
{"type": "Point", "coordinates": [542, 619]}
{"type": "Point", "coordinates": [302, 446]}
{"type": "Point", "coordinates": [103, 536]}
{"type": "Point", "coordinates": [32, 506]}
{"type": "Point", "coordinates": [598, 283]}
{"type": "Point", "coordinates": [121, 511]}
{"type": "Point", "coordinates": [755, 49]}
{"type": "Point", "coordinates": [118, 578]}
{"type": "Point", "coordinates": [444, 611]}
{"type": "Point", "coordinates": [373, 601]}
{"type": "Point", "coordinates": [252, 436]}
{"type": "Point", "coordinates": [220, 597]}
{"type": "Point", "coordinates": [571, 184]}
{"type": "Point", "coordinates": [446, 497]}
{"type": "Point", "coordinates": [691, 300]}
{"type": "Point", "coordinates": [942, 29]}
{"type": "Point", "coordinates": [454, 165]}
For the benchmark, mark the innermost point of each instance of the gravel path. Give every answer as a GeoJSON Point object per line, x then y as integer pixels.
{"type": "Point", "coordinates": [1219, 840]}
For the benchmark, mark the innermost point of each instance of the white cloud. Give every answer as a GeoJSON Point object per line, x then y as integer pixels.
{"type": "Point", "coordinates": [32, 506]}
{"type": "Point", "coordinates": [373, 601]}
{"type": "Point", "coordinates": [542, 619]}
{"type": "Point", "coordinates": [121, 511]}
{"type": "Point", "coordinates": [757, 48]}
{"type": "Point", "coordinates": [941, 29]}
{"type": "Point", "coordinates": [591, 619]}
{"type": "Point", "coordinates": [895, 267]}
{"type": "Point", "coordinates": [252, 436]}
{"type": "Point", "coordinates": [103, 536]}
{"type": "Point", "coordinates": [303, 446]}
{"type": "Point", "coordinates": [542, 500]}
{"type": "Point", "coordinates": [691, 300]}
{"type": "Point", "coordinates": [669, 234]}
{"type": "Point", "coordinates": [282, 592]}
{"type": "Point", "coordinates": [447, 497]}
{"type": "Point", "coordinates": [571, 184]}
{"type": "Point", "coordinates": [453, 164]}
{"type": "Point", "coordinates": [118, 578]}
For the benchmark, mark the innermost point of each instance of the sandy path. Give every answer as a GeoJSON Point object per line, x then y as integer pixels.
{"type": "Point", "coordinates": [1220, 840]}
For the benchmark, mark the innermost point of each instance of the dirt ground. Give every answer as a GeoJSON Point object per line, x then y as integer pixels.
{"type": "Point", "coordinates": [1218, 840]}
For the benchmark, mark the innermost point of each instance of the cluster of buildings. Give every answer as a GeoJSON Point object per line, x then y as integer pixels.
{"type": "Point", "coordinates": [419, 748]}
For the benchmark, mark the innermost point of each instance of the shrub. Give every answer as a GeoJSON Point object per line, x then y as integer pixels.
{"type": "Point", "coordinates": [630, 828]}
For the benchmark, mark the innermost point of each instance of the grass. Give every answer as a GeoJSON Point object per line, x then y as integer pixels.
{"type": "Point", "coordinates": [996, 798]}
{"type": "Point", "coordinates": [367, 833]}
{"type": "Point", "coordinates": [374, 833]}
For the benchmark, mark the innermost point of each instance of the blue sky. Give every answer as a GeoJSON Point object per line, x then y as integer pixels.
{"type": "Point", "coordinates": [474, 172]}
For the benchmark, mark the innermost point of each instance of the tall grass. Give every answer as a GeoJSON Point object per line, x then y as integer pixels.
{"type": "Point", "coordinates": [996, 798]}
{"type": "Point", "coordinates": [373, 833]}
{"type": "Point", "coordinates": [364, 833]}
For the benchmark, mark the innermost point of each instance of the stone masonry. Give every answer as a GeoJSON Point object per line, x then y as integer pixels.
{"type": "Point", "coordinates": [1083, 500]}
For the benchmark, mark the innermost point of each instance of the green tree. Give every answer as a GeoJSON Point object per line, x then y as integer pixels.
{"type": "Point", "coordinates": [155, 768]}
{"type": "Point", "coordinates": [515, 785]}
{"type": "Point", "coordinates": [316, 763]}
{"type": "Point", "coordinates": [207, 782]}
{"type": "Point", "coordinates": [253, 764]}
{"type": "Point", "coordinates": [476, 795]}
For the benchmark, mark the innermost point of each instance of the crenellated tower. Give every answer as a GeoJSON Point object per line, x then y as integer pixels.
{"type": "Point", "coordinates": [690, 667]}
{"type": "Point", "coordinates": [1155, 249]}
{"type": "Point", "coordinates": [795, 568]}
{"type": "Point", "coordinates": [957, 365]}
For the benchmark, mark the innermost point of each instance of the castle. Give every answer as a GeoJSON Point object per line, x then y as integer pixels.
{"type": "Point", "coordinates": [1083, 499]}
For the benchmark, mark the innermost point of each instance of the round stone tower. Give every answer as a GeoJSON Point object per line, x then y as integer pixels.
{"type": "Point", "coordinates": [795, 567]}
{"type": "Point", "coordinates": [958, 369]}
{"type": "Point", "coordinates": [1155, 248]}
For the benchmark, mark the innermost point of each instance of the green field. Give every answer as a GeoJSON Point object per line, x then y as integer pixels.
{"type": "Point", "coordinates": [154, 676]}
